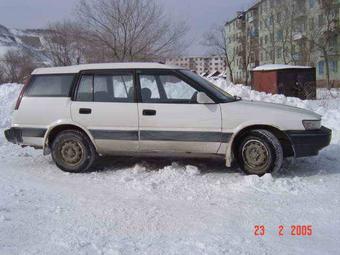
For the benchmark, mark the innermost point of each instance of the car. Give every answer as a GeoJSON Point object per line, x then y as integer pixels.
{"type": "Point", "coordinates": [77, 113]}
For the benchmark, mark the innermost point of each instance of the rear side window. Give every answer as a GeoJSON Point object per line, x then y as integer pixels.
{"type": "Point", "coordinates": [56, 85]}
{"type": "Point", "coordinates": [106, 88]}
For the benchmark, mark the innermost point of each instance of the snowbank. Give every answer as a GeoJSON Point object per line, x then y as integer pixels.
{"type": "Point", "coordinates": [328, 107]}
{"type": "Point", "coordinates": [8, 96]}
{"type": "Point", "coordinates": [271, 67]}
{"type": "Point", "coordinates": [154, 206]}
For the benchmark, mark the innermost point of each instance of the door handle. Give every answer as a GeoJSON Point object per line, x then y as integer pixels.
{"type": "Point", "coordinates": [85, 111]}
{"type": "Point", "coordinates": [148, 112]}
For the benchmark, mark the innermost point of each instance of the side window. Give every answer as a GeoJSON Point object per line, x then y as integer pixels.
{"type": "Point", "coordinates": [166, 88]}
{"type": "Point", "coordinates": [113, 88]}
{"type": "Point", "coordinates": [85, 89]}
{"type": "Point", "coordinates": [123, 86]}
{"type": "Point", "coordinates": [176, 88]}
{"type": "Point", "coordinates": [106, 88]}
{"type": "Point", "coordinates": [149, 88]}
{"type": "Point", "coordinates": [56, 85]}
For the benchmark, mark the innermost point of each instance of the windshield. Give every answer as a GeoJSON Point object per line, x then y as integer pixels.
{"type": "Point", "coordinates": [218, 92]}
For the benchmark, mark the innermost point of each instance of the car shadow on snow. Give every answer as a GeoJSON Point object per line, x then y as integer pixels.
{"type": "Point", "coordinates": [105, 164]}
{"type": "Point", "coordinates": [326, 163]}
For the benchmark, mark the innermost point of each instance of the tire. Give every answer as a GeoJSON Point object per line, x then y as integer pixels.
{"type": "Point", "coordinates": [73, 151]}
{"type": "Point", "coordinates": [259, 152]}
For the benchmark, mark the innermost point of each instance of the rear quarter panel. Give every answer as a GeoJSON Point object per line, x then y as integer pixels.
{"type": "Point", "coordinates": [40, 112]}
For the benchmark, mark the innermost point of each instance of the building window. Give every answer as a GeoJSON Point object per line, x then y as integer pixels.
{"type": "Point", "coordinates": [311, 3]}
{"type": "Point", "coordinates": [333, 42]}
{"type": "Point", "coordinates": [333, 66]}
{"type": "Point", "coordinates": [270, 20]}
{"type": "Point", "coordinates": [321, 66]}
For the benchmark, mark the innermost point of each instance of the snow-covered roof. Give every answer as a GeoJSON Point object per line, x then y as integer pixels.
{"type": "Point", "coordinates": [270, 67]}
{"type": "Point", "coordinates": [78, 68]}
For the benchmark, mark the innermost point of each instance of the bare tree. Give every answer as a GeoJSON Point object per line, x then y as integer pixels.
{"type": "Point", "coordinates": [16, 65]}
{"type": "Point", "coordinates": [132, 30]}
{"type": "Point", "coordinates": [284, 20]}
{"type": "Point", "coordinates": [267, 25]}
{"type": "Point", "coordinates": [323, 34]}
{"type": "Point", "coordinates": [216, 39]}
{"type": "Point", "coordinates": [64, 44]}
{"type": "Point", "coordinates": [249, 55]}
{"type": "Point", "coordinates": [2, 75]}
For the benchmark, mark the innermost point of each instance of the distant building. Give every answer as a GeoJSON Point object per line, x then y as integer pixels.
{"type": "Point", "coordinates": [200, 64]}
{"type": "Point", "coordinates": [286, 32]}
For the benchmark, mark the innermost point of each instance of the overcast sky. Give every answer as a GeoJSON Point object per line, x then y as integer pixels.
{"type": "Point", "coordinates": [200, 15]}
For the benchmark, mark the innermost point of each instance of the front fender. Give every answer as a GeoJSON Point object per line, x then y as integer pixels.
{"type": "Point", "coordinates": [229, 157]}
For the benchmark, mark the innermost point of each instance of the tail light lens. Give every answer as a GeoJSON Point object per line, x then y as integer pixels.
{"type": "Point", "coordinates": [26, 82]}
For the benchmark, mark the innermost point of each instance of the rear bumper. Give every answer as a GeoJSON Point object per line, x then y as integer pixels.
{"type": "Point", "coordinates": [309, 142]}
{"type": "Point", "coordinates": [13, 135]}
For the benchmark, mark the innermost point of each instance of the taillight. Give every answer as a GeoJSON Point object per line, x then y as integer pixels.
{"type": "Point", "coordinates": [26, 82]}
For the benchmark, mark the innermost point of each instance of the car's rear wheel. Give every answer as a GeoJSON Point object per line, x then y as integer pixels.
{"type": "Point", "coordinates": [259, 152]}
{"type": "Point", "coordinates": [73, 151]}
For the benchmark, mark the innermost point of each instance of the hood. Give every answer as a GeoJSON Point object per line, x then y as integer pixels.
{"type": "Point", "coordinates": [280, 107]}
{"type": "Point", "coordinates": [245, 113]}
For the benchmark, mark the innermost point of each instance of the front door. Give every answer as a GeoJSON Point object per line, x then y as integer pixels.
{"type": "Point", "coordinates": [171, 120]}
{"type": "Point", "coordinates": [105, 105]}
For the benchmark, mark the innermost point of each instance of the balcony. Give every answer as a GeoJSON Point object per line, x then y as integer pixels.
{"type": "Point", "coordinates": [297, 56]}
{"type": "Point", "coordinates": [298, 36]}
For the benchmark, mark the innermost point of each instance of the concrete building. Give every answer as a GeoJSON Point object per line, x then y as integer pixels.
{"type": "Point", "coordinates": [286, 32]}
{"type": "Point", "coordinates": [235, 31]}
{"type": "Point", "coordinates": [200, 64]}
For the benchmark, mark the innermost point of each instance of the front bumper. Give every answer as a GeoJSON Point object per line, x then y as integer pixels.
{"type": "Point", "coordinates": [309, 142]}
{"type": "Point", "coordinates": [13, 135]}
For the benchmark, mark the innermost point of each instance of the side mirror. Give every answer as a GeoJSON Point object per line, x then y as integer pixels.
{"type": "Point", "coordinates": [202, 98]}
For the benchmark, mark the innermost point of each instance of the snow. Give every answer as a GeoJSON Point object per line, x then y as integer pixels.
{"type": "Point", "coordinates": [78, 68]}
{"type": "Point", "coordinates": [4, 50]}
{"type": "Point", "coordinates": [270, 67]}
{"type": "Point", "coordinates": [168, 206]}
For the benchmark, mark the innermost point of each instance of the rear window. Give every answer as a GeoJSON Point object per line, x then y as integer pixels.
{"type": "Point", "coordinates": [56, 85]}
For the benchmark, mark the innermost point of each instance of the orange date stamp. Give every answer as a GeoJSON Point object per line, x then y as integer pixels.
{"type": "Point", "coordinates": [293, 230]}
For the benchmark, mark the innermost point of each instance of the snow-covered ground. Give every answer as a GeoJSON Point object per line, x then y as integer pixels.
{"type": "Point", "coordinates": [153, 206]}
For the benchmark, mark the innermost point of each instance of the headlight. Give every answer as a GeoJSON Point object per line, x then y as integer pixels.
{"type": "Point", "coordinates": [311, 124]}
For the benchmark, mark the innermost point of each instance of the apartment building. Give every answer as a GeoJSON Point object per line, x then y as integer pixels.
{"type": "Point", "coordinates": [297, 32]}
{"type": "Point", "coordinates": [235, 29]}
{"type": "Point", "coordinates": [201, 64]}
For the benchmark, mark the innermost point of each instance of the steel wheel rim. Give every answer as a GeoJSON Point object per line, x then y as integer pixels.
{"type": "Point", "coordinates": [71, 152]}
{"type": "Point", "coordinates": [255, 155]}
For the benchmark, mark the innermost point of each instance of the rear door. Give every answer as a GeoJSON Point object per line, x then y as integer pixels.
{"type": "Point", "coordinates": [171, 120]}
{"type": "Point", "coordinates": [105, 104]}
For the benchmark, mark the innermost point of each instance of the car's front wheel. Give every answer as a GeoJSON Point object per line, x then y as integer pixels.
{"type": "Point", "coordinates": [73, 151]}
{"type": "Point", "coordinates": [259, 152]}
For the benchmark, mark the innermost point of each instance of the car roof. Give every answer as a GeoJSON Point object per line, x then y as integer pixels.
{"type": "Point", "coordinates": [102, 66]}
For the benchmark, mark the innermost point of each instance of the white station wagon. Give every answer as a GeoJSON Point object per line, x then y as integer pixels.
{"type": "Point", "coordinates": [79, 112]}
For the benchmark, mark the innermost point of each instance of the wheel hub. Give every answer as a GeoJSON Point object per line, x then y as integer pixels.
{"type": "Point", "coordinates": [71, 152]}
{"type": "Point", "coordinates": [255, 154]}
